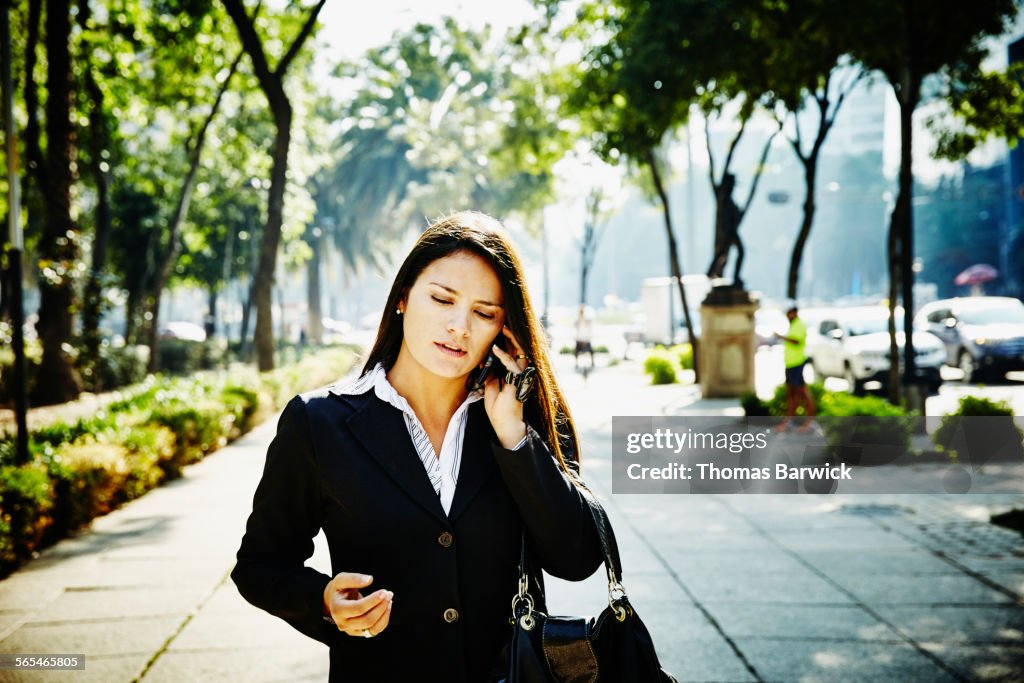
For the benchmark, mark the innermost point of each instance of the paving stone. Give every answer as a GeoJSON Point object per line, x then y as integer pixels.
{"type": "Point", "coordinates": [307, 663]}
{"type": "Point", "coordinates": [702, 562]}
{"type": "Point", "coordinates": [871, 562]}
{"type": "Point", "coordinates": [839, 662]}
{"type": "Point", "coordinates": [27, 592]}
{"type": "Point", "coordinates": [115, 603]}
{"type": "Point", "coordinates": [981, 663]}
{"type": "Point", "coordinates": [223, 631]}
{"type": "Point", "coordinates": [994, 623]}
{"type": "Point", "coordinates": [936, 589]}
{"type": "Point", "coordinates": [848, 541]}
{"type": "Point", "coordinates": [766, 588]}
{"type": "Point", "coordinates": [740, 620]}
{"type": "Point", "coordinates": [112, 637]}
{"type": "Point", "coordinates": [703, 660]}
{"type": "Point", "coordinates": [1013, 581]}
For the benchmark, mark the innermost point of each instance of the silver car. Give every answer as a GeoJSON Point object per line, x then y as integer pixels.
{"type": "Point", "coordinates": [983, 335]}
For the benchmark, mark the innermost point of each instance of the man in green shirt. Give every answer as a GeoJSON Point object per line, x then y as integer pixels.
{"type": "Point", "coordinates": [795, 356]}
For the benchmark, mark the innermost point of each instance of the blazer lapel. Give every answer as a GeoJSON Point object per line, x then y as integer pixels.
{"type": "Point", "coordinates": [477, 460]}
{"type": "Point", "coordinates": [381, 430]}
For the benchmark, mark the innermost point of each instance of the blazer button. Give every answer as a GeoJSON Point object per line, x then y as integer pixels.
{"type": "Point", "coordinates": [451, 615]}
{"type": "Point", "coordinates": [445, 539]}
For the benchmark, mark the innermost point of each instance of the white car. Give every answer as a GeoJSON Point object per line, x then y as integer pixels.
{"type": "Point", "coordinates": [853, 343]}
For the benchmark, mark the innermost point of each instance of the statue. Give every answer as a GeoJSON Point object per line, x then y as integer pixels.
{"type": "Point", "coordinates": [727, 234]}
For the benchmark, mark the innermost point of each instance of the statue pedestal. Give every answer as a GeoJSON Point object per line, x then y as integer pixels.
{"type": "Point", "coordinates": [728, 342]}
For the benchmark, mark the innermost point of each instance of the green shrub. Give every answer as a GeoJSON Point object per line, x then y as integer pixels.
{"type": "Point", "coordinates": [198, 427]}
{"type": "Point", "coordinates": [95, 473]}
{"type": "Point", "coordinates": [865, 420]}
{"type": "Point", "coordinates": [26, 495]}
{"type": "Point", "coordinates": [845, 418]}
{"type": "Point", "coordinates": [242, 402]}
{"type": "Point", "coordinates": [122, 365]}
{"type": "Point", "coordinates": [754, 406]}
{"type": "Point", "coordinates": [955, 433]}
{"type": "Point", "coordinates": [661, 366]}
{"type": "Point", "coordinates": [85, 468]}
{"type": "Point", "coordinates": [180, 356]}
{"type": "Point", "coordinates": [777, 404]}
{"type": "Point", "coordinates": [684, 353]}
{"type": "Point", "coordinates": [149, 446]}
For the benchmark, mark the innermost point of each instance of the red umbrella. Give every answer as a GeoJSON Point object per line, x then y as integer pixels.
{"type": "Point", "coordinates": [976, 274]}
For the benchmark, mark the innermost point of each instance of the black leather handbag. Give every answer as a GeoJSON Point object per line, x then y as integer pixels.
{"type": "Point", "coordinates": [614, 647]}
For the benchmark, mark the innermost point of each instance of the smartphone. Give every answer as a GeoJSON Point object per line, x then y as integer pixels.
{"type": "Point", "coordinates": [492, 367]}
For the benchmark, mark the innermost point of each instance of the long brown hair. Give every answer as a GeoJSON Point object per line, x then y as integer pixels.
{"type": "Point", "coordinates": [480, 234]}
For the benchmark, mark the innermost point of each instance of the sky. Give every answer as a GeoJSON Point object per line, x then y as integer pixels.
{"type": "Point", "coordinates": [349, 29]}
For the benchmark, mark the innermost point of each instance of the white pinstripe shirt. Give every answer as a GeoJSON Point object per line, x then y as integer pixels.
{"type": "Point", "coordinates": [443, 469]}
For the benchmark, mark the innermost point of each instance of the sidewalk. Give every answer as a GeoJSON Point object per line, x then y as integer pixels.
{"type": "Point", "coordinates": [732, 588]}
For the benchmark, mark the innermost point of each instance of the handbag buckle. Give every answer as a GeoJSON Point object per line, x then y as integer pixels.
{"type": "Point", "coordinates": [523, 597]}
{"type": "Point", "coordinates": [616, 591]}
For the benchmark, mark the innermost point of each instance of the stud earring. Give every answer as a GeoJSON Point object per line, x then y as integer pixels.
{"type": "Point", "coordinates": [398, 311]}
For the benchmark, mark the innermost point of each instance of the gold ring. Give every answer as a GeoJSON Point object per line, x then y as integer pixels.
{"type": "Point", "coordinates": [521, 356]}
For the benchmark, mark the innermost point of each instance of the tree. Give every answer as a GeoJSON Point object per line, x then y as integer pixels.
{"type": "Point", "coordinates": [593, 230]}
{"type": "Point", "coordinates": [809, 72]}
{"type": "Point", "coordinates": [193, 151]}
{"type": "Point", "coordinates": [909, 42]}
{"type": "Point", "coordinates": [441, 117]}
{"type": "Point", "coordinates": [58, 248]}
{"type": "Point", "coordinates": [272, 83]}
{"type": "Point", "coordinates": [628, 95]}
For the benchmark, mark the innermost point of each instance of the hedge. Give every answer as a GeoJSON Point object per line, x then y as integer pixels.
{"type": "Point", "coordinates": [878, 421]}
{"type": "Point", "coordinates": [86, 468]}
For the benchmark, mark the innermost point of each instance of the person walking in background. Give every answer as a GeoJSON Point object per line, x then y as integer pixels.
{"type": "Point", "coordinates": [795, 357]}
{"type": "Point", "coordinates": [584, 337]}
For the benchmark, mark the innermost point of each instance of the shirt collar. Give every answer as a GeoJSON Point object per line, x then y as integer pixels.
{"type": "Point", "coordinates": [378, 379]}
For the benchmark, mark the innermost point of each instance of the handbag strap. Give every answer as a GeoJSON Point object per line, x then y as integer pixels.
{"type": "Point", "coordinates": [609, 547]}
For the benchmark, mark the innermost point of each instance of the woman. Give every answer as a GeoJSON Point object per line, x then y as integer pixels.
{"type": "Point", "coordinates": [422, 482]}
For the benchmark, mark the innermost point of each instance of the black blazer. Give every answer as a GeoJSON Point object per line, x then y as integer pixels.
{"type": "Point", "coordinates": [346, 464]}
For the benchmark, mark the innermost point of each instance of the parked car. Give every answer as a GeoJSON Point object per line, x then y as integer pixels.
{"type": "Point", "coordinates": [983, 335]}
{"type": "Point", "coordinates": [853, 343]}
{"type": "Point", "coordinates": [181, 329]}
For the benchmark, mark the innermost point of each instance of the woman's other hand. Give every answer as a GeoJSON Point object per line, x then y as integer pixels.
{"type": "Point", "coordinates": [503, 410]}
{"type": "Point", "coordinates": [354, 614]}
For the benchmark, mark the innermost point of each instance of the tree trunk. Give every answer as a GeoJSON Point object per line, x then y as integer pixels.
{"type": "Point", "coordinates": [583, 275]}
{"type": "Point", "coordinates": [272, 84]}
{"type": "Point", "coordinates": [314, 309]}
{"type": "Point", "coordinates": [673, 254]}
{"type": "Point", "coordinates": [244, 348]}
{"type": "Point", "coordinates": [810, 177]}
{"type": "Point", "coordinates": [152, 328]}
{"type": "Point", "coordinates": [229, 255]}
{"type": "Point", "coordinates": [210, 323]}
{"type": "Point", "coordinates": [131, 307]}
{"type": "Point", "coordinates": [264, 281]}
{"type": "Point", "coordinates": [914, 395]}
{"type": "Point", "coordinates": [894, 247]}
{"type": "Point", "coordinates": [93, 300]}
{"type": "Point", "coordinates": [58, 248]}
